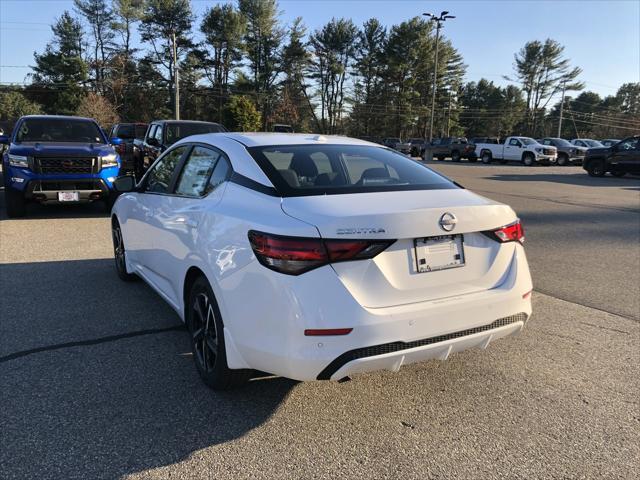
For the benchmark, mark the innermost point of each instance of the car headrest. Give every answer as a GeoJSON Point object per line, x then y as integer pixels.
{"type": "Point", "coordinates": [290, 177]}
{"type": "Point", "coordinates": [303, 165]}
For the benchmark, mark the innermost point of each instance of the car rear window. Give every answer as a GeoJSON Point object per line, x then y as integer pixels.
{"type": "Point", "coordinates": [66, 130]}
{"type": "Point", "coordinates": [298, 170]}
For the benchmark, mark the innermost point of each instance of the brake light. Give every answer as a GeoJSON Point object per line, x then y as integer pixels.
{"type": "Point", "coordinates": [514, 232]}
{"type": "Point", "coordinates": [296, 255]}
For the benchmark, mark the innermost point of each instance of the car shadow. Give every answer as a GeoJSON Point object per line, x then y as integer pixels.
{"type": "Point", "coordinates": [581, 179]}
{"type": "Point", "coordinates": [97, 379]}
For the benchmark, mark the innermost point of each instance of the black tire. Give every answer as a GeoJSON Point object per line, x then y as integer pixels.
{"type": "Point", "coordinates": [207, 339]}
{"type": "Point", "coordinates": [618, 174]}
{"type": "Point", "coordinates": [119, 253]}
{"type": "Point", "coordinates": [528, 159]}
{"type": "Point", "coordinates": [14, 203]}
{"type": "Point", "coordinates": [596, 168]}
{"type": "Point", "coordinates": [563, 160]}
{"type": "Point", "coordinates": [455, 156]}
{"type": "Point", "coordinates": [486, 157]}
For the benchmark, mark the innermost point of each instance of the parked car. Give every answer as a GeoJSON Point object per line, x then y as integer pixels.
{"type": "Point", "coordinates": [128, 133]}
{"type": "Point", "coordinates": [161, 134]}
{"type": "Point", "coordinates": [366, 259]}
{"type": "Point", "coordinates": [618, 159]}
{"type": "Point", "coordinates": [57, 159]}
{"type": "Point", "coordinates": [567, 153]}
{"type": "Point", "coordinates": [417, 146]}
{"type": "Point", "coordinates": [607, 142]}
{"type": "Point", "coordinates": [397, 144]}
{"type": "Point", "coordinates": [280, 128]}
{"type": "Point", "coordinates": [586, 143]}
{"type": "Point", "coordinates": [454, 147]}
{"type": "Point", "coordinates": [517, 149]}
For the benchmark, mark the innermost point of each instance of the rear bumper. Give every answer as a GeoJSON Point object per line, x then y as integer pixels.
{"type": "Point", "coordinates": [273, 340]}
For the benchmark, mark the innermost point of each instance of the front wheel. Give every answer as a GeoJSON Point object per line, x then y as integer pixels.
{"type": "Point", "coordinates": [486, 157]}
{"type": "Point", "coordinates": [563, 160]}
{"type": "Point", "coordinates": [207, 339]}
{"type": "Point", "coordinates": [119, 253]}
{"type": "Point", "coordinates": [528, 160]}
{"type": "Point", "coordinates": [14, 203]}
{"type": "Point", "coordinates": [596, 168]}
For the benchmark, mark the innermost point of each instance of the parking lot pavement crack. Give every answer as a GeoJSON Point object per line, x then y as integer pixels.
{"type": "Point", "coordinates": [605, 328]}
{"type": "Point", "coordinates": [94, 341]}
{"type": "Point", "coordinates": [593, 307]}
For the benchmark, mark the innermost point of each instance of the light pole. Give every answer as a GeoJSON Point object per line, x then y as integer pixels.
{"type": "Point", "coordinates": [439, 21]}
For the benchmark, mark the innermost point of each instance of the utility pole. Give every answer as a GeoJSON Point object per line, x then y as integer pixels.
{"type": "Point", "coordinates": [449, 114]}
{"type": "Point", "coordinates": [176, 80]}
{"type": "Point", "coordinates": [439, 21]}
{"type": "Point", "coordinates": [564, 86]}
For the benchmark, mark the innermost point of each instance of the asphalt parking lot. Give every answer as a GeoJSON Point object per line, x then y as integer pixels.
{"type": "Point", "coordinates": [96, 379]}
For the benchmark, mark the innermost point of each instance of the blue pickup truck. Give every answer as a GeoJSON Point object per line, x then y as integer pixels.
{"type": "Point", "coordinates": [57, 159]}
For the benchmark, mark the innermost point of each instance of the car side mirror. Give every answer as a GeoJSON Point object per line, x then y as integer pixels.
{"type": "Point", "coordinates": [125, 183]}
{"type": "Point", "coordinates": [115, 141]}
{"type": "Point", "coordinates": [4, 140]}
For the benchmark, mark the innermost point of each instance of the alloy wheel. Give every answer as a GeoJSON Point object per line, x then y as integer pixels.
{"type": "Point", "coordinates": [204, 332]}
{"type": "Point", "coordinates": [118, 247]}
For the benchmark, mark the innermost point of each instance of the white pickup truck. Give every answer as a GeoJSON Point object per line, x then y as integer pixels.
{"type": "Point", "coordinates": [517, 149]}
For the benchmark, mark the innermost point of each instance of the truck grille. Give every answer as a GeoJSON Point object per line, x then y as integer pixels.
{"type": "Point", "coordinates": [66, 165]}
{"type": "Point", "coordinates": [548, 151]}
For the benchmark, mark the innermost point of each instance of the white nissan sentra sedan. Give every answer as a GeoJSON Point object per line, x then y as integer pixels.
{"type": "Point", "coordinates": [314, 257]}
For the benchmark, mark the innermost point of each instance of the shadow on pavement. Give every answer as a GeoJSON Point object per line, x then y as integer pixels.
{"type": "Point", "coordinates": [111, 406]}
{"type": "Point", "coordinates": [631, 182]}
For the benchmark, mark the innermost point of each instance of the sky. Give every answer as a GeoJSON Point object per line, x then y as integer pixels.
{"type": "Point", "coordinates": [601, 37]}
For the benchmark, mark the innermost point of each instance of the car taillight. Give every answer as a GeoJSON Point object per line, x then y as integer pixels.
{"type": "Point", "coordinates": [296, 255]}
{"type": "Point", "coordinates": [514, 232]}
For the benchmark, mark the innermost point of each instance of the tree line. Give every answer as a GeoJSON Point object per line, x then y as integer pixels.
{"type": "Point", "coordinates": [249, 71]}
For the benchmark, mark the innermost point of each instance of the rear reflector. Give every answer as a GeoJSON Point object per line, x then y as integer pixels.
{"type": "Point", "coordinates": [527, 295]}
{"type": "Point", "coordinates": [296, 255]}
{"type": "Point", "coordinates": [514, 232]}
{"type": "Point", "coordinates": [327, 331]}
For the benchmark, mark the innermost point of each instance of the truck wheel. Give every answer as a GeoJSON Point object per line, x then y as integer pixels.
{"type": "Point", "coordinates": [563, 160]}
{"type": "Point", "coordinates": [14, 203]}
{"type": "Point", "coordinates": [528, 159]}
{"type": "Point", "coordinates": [486, 157]}
{"type": "Point", "coordinates": [455, 156]}
{"type": "Point", "coordinates": [119, 253]}
{"type": "Point", "coordinates": [596, 168]}
{"type": "Point", "coordinates": [207, 339]}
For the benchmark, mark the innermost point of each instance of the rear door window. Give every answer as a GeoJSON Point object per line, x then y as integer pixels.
{"type": "Point", "coordinates": [196, 172]}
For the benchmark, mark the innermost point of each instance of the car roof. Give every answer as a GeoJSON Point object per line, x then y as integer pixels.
{"type": "Point", "coordinates": [186, 121]}
{"type": "Point", "coordinates": [260, 139]}
{"type": "Point", "coordinates": [58, 117]}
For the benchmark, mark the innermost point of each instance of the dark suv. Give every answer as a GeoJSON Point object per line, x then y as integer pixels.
{"type": "Point", "coordinates": [618, 159]}
{"type": "Point", "coordinates": [454, 147]}
{"type": "Point", "coordinates": [161, 134]}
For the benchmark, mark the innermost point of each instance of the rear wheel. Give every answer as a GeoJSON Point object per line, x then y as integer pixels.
{"type": "Point", "coordinates": [486, 157]}
{"type": "Point", "coordinates": [14, 203]}
{"type": "Point", "coordinates": [528, 159]}
{"type": "Point", "coordinates": [455, 156]}
{"type": "Point", "coordinates": [207, 339]}
{"type": "Point", "coordinates": [119, 253]}
{"type": "Point", "coordinates": [596, 168]}
{"type": "Point", "coordinates": [563, 160]}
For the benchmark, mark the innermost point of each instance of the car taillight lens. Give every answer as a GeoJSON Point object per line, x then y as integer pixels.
{"type": "Point", "coordinates": [296, 255]}
{"type": "Point", "coordinates": [514, 232]}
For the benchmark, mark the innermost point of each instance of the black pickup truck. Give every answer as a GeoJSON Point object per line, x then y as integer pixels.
{"type": "Point", "coordinates": [454, 147]}
{"type": "Point", "coordinates": [618, 159]}
{"type": "Point", "coordinates": [161, 134]}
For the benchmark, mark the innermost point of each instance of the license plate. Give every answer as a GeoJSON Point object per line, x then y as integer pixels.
{"type": "Point", "coordinates": [439, 253]}
{"type": "Point", "coordinates": [68, 196]}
